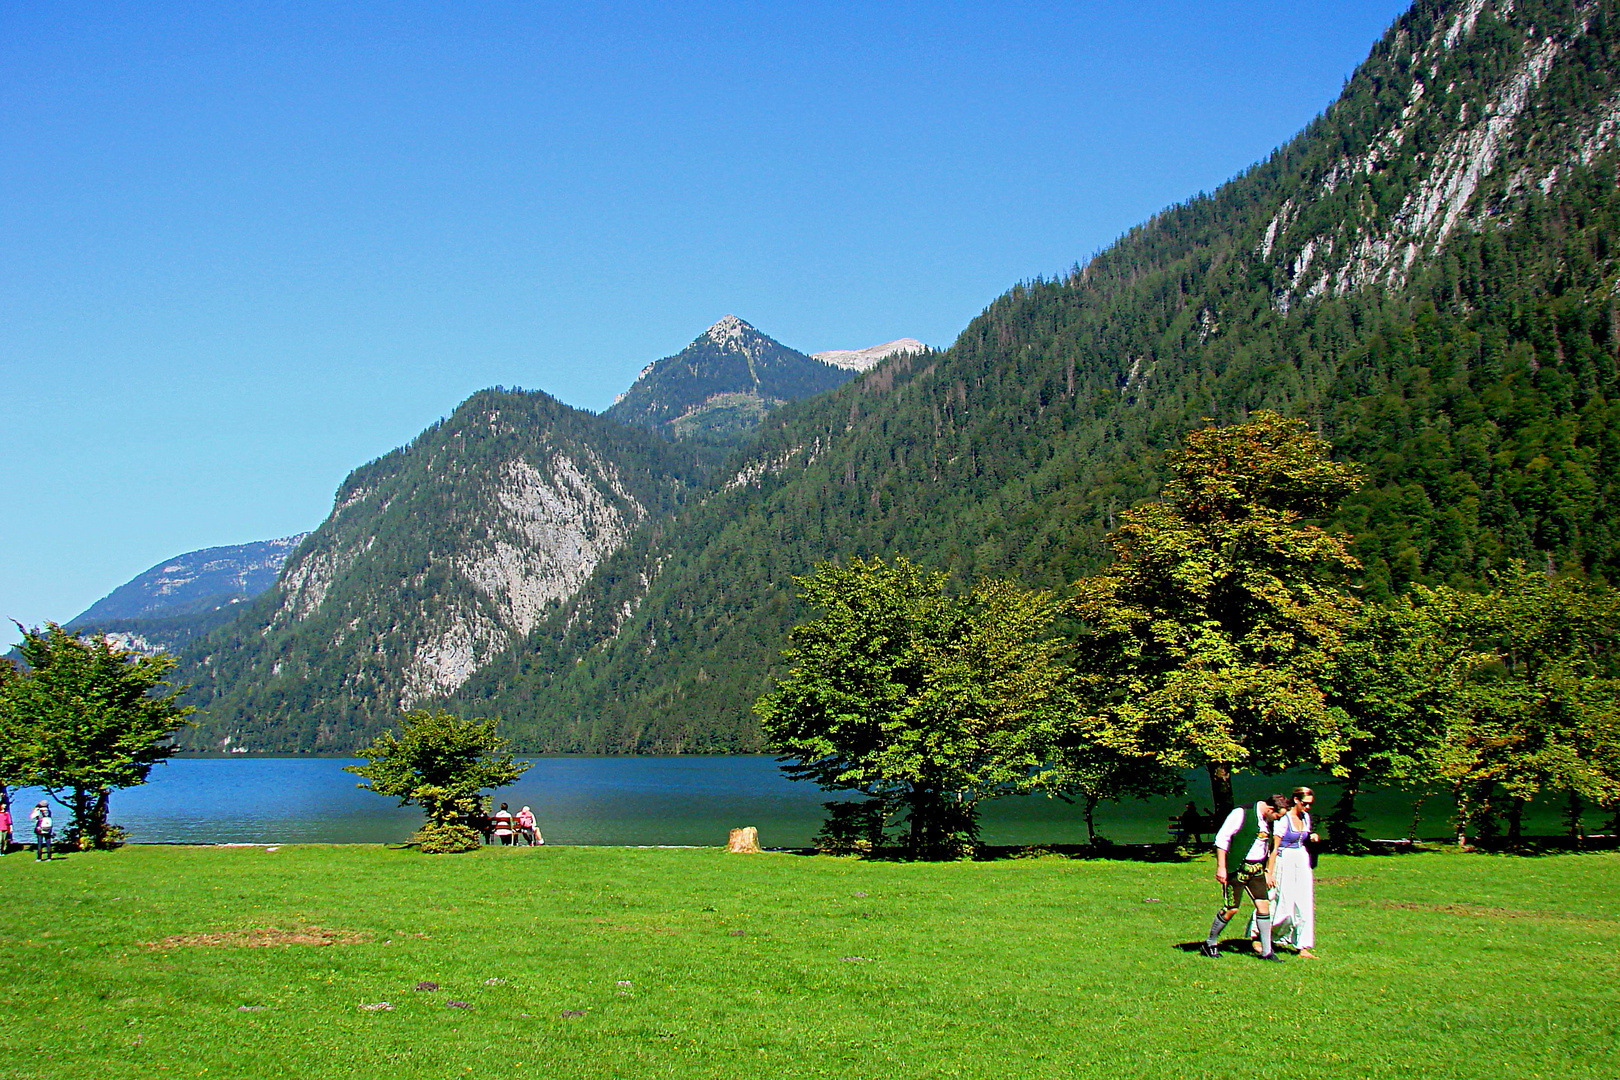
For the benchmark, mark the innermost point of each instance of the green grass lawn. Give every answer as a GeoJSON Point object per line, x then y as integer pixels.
{"type": "Point", "coordinates": [624, 962]}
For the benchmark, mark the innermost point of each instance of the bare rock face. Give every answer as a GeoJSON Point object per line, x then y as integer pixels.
{"type": "Point", "coordinates": [744, 841]}
{"type": "Point", "coordinates": [1458, 126]}
{"type": "Point", "coordinates": [437, 560]}
{"type": "Point", "coordinates": [869, 358]}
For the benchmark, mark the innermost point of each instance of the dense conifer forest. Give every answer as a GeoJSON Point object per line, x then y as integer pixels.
{"type": "Point", "coordinates": [1427, 274]}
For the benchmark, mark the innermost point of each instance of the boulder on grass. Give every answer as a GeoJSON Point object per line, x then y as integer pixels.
{"type": "Point", "coordinates": [744, 841]}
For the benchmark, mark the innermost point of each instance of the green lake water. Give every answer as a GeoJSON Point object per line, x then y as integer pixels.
{"type": "Point", "coordinates": [649, 800]}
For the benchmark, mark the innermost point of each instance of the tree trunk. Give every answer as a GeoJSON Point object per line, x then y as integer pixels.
{"type": "Point", "coordinates": [1343, 836]}
{"type": "Point", "coordinates": [1417, 816]}
{"type": "Point", "coordinates": [1515, 820]}
{"type": "Point", "coordinates": [99, 815]}
{"type": "Point", "coordinates": [1220, 789]}
{"type": "Point", "coordinates": [1091, 828]}
{"type": "Point", "coordinates": [81, 826]}
{"type": "Point", "coordinates": [1572, 818]}
{"type": "Point", "coordinates": [90, 817]}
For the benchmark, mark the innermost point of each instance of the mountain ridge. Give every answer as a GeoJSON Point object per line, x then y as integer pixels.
{"type": "Point", "coordinates": [1476, 386]}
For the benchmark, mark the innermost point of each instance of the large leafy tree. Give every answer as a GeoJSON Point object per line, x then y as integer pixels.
{"type": "Point", "coordinates": [917, 699]}
{"type": "Point", "coordinates": [1540, 711]}
{"type": "Point", "coordinates": [439, 762]}
{"type": "Point", "coordinates": [92, 718]}
{"type": "Point", "coordinates": [1206, 643]}
{"type": "Point", "coordinates": [16, 752]}
{"type": "Point", "coordinates": [1399, 682]}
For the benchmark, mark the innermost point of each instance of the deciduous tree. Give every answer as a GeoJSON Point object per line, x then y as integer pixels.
{"type": "Point", "coordinates": [441, 763]}
{"type": "Point", "coordinates": [1398, 680]}
{"type": "Point", "coordinates": [922, 700]}
{"type": "Point", "coordinates": [1541, 713]}
{"type": "Point", "coordinates": [1206, 643]}
{"type": "Point", "coordinates": [93, 718]}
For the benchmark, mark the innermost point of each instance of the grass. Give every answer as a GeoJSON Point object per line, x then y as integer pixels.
{"type": "Point", "coordinates": [584, 962]}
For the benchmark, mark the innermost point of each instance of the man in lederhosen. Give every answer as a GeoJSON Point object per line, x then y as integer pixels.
{"type": "Point", "coordinates": [1256, 874]}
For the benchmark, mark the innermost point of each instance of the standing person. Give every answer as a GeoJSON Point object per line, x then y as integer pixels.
{"type": "Point", "coordinates": [1293, 921]}
{"type": "Point", "coordinates": [503, 825]}
{"type": "Point", "coordinates": [1256, 875]}
{"type": "Point", "coordinates": [44, 830]}
{"type": "Point", "coordinates": [5, 827]}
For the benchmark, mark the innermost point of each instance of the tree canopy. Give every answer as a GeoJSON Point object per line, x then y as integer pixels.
{"type": "Point", "coordinates": [918, 699]}
{"type": "Point", "coordinates": [1208, 641]}
{"type": "Point", "coordinates": [90, 718]}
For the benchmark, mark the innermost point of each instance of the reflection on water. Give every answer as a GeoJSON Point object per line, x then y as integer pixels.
{"type": "Point", "coordinates": [634, 800]}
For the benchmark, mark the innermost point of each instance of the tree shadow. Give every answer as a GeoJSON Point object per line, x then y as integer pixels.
{"type": "Point", "coordinates": [1150, 853]}
{"type": "Point", "coordinates": [1540, 846]}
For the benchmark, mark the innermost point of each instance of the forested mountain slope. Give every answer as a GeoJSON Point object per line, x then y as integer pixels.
{"type": "Point", "coordinates": [1427, 272]}
{"type": "Point", "coordinates": [437, 560]}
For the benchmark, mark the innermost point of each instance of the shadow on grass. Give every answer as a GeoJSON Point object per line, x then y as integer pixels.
{"type": "Point", "coordinates": [998, 852]}
{"type": "Point", "coordinates": [1537, 846]}
{"type": "Point", "coordinates": [1182, 853]}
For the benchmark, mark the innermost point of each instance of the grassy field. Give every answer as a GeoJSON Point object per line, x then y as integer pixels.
{"type": "Point", "coordinates": [583, 962]}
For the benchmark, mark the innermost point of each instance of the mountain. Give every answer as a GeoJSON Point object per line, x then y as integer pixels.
{"type": "Point", "coordinates": [866, 359]}
{"type": "Point", "coordinates": [185, 596]}
{"type": "Point", "coordinates": [194, 582]}
{"type": "Point", "coordinates": [1428, 272]}
{"type": "Point", "coordinates": [436, 561]}
{"type": "Point", "coordinates": [722, 384]}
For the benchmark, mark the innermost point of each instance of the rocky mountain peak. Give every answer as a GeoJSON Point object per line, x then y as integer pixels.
{"type": "Point", "coordinates": [869, 358]}
{"type": "Point", "coordinates": [730, 332]}
{"type": "Point", "coordinates": [723, 383]}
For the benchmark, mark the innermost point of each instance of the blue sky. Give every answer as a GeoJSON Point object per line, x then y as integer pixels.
{"type": "Point", "coordinates": [247, 247]}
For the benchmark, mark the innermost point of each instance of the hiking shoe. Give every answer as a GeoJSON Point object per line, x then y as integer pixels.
{"type": "Point", "coordinates": [1211, 951]}
{"type": "Point", "coordinates": [1271, 956]}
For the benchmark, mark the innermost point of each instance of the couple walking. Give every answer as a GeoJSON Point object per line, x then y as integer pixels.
{"type": "Point", "coordinates": [1275, 874]}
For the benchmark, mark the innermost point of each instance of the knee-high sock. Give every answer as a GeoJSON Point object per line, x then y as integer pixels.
{"type": "Point", "coordinates": [1216, 928]}
{"type": "Point", "coordinates": [1263, 922]}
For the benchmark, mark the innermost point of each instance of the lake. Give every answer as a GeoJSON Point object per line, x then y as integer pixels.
{"type": "Point", "coordinates": [631, 800]}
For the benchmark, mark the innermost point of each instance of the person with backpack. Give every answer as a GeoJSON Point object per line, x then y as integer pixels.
{"type": "Point", "coordinates": [44, 830]}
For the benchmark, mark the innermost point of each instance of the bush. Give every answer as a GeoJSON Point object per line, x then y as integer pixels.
{"type": "Point", "coordinates": [76, 839]}
{"type": "Point", "coordinates": [437, 839]}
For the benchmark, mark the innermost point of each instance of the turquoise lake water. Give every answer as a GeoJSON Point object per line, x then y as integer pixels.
{"type": "Point", "coordinates": [635, 800]}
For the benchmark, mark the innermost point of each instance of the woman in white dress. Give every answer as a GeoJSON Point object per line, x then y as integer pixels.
{"type": "Point", "coordinates": [1293, 917]}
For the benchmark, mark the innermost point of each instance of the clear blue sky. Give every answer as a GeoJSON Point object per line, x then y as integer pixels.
{"type": "Point", "coordinates": [247, 247]}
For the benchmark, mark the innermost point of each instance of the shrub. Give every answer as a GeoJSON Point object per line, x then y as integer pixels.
{"type": "Point", "coordinates": [438, 839]}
